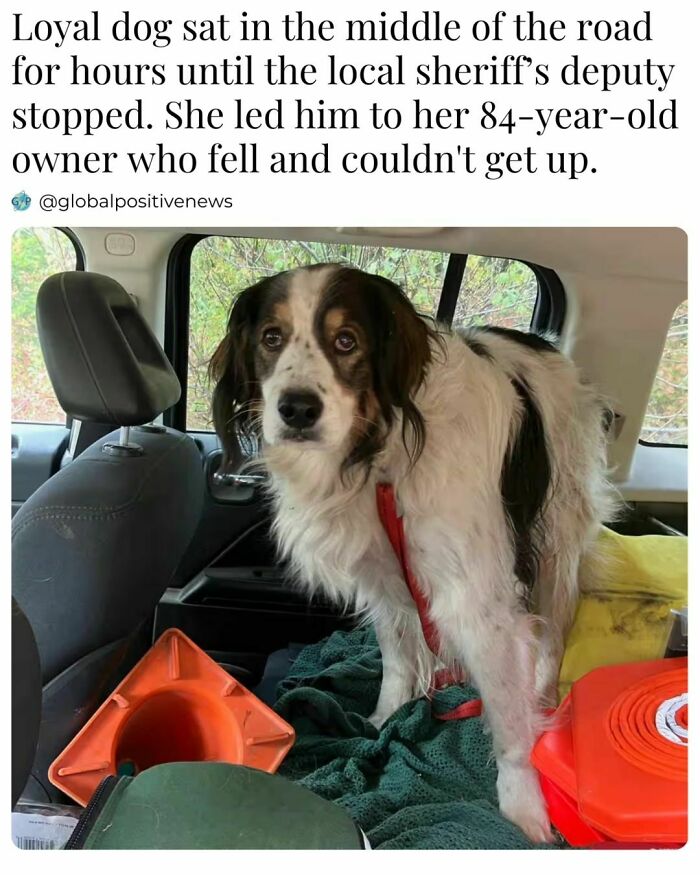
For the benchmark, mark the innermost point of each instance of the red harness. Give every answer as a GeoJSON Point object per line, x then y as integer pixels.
{"type": "Point", "coordinates": [392, 522]}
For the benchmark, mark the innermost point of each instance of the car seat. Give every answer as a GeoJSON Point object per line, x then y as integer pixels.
{"type": "Point", "coordinates": [94, 548]}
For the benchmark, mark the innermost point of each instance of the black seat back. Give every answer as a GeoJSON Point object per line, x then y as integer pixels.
{"type": "Point", "coordinates": [95, 547]}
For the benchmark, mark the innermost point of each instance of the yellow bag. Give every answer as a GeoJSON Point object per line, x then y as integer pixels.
{"type": "Point", "coordinates": [625, 614]}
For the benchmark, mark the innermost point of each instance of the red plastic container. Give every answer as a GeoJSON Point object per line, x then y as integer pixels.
{"type": "Point", "coordinates": [553, 757]}
{"type": "Point", "coordinates": [175, 705]}
{"type": "Point", "coordinates": [632, 777]}
{"type": "Point", "coordinates": [613, 769]}
{"type": "Point", "coordinates": [565, 816]}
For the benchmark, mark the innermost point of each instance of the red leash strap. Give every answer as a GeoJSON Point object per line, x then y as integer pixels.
{"type": "Point", "coordinates": [463, 711]}
{"type": "Point", "coordinates": [393, 526]}
{"type": "Point", "coordinates": [392, 523]}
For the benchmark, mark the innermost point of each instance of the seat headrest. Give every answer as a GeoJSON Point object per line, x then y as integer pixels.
{"type": "Point", "coordinates": [104, 362]}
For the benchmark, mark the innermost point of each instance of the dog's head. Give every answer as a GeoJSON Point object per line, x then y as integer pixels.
{"type": "Point", "coordinates": [323, 358]}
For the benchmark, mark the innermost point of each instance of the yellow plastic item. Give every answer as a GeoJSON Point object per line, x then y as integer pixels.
{"type": "Point", "coordinates": [624, 614]}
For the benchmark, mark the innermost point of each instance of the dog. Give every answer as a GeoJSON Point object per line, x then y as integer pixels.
{"type": "Point", "coordinates": [496, 450]}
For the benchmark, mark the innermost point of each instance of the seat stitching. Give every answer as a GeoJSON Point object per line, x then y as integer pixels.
{"type": "Point", "coordinates": [49, 513]}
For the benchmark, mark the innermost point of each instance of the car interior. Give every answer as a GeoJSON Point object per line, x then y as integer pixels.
{"type": "Point", "coordinates": [108, 557]}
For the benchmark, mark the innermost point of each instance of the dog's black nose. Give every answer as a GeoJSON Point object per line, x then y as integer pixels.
{"type": "Point", "coordinates": [300, 409]}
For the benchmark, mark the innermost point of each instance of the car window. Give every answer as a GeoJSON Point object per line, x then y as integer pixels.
{"type": "Point", "coordinates": [36, 254]}
{"type": "Point", "coordinates": [495, 290]}
{"type": "Point", "coordinates": [666, 420]}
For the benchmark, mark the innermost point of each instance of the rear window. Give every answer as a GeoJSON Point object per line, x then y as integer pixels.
{"type": "Point", "coordinates": [666, 420]}
{"type": "Point", "coordinates": [36, 254]}
{"type": "Point", "coordinates": [495, 290]}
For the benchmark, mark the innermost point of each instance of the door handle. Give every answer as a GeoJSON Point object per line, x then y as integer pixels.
{"type": "Point", "coordinates": [228, 478]}
{"type": "Point", "coordinates": [237, 483]}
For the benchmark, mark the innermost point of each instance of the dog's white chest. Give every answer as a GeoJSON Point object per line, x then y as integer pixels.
{"type": "Point", "coordinates": [341, 550]}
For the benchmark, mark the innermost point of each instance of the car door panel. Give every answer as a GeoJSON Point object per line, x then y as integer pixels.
{"type": "Point", "coordinates": [37, 451]}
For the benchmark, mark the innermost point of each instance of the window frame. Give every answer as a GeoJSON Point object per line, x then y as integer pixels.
{"type": "Point", "coordinates": [548, 315]}
{"type": "Point", "coordinates": [77, 245]}
{"type": "Point", "coordinates": [652, 443]}
{"type": "Point", "coordinates": [79, 265]}
{"type": "Point", "coordinates": [672, 446]}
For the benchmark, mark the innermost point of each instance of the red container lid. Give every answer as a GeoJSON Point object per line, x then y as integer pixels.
{"type": "Point", "coordinates": [629, 727]}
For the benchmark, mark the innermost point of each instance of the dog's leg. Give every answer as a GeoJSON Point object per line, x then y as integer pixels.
{"type": "Point", "coordinates": [556, 605]}
{"type": "Point", "coordinates": [496, 641]}
{"type": "Point", "coordinates": [502, 661]}
{"type": "Point", "coordinates": [398, 670]}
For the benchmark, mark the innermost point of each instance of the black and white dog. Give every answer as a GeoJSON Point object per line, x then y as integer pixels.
{"type": "Point", "coordinates": [495, 449]}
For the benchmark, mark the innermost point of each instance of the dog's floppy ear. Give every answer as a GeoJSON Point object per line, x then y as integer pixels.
{"type": "Point", "coordinates": [402, 354]}
{"type": "Point", "coordinates": [232, 367]}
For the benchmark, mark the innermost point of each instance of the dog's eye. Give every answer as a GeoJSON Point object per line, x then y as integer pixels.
{"type": "Point", "coordinates": [344, 342]}
{"type": "Point", "coordinates": [272, 338]}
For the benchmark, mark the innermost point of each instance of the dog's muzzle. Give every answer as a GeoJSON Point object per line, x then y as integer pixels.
{"type": "Point", "coordinates": [300, 411]}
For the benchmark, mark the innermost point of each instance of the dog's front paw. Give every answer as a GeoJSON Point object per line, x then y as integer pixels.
{"type": "Point", "coordinates": [521, 801]}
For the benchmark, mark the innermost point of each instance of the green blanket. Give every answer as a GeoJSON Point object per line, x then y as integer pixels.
{"type": "Point", "coordinates": [417, 783]}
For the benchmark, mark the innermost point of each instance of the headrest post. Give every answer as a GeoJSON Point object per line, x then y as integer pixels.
{"type": "Point", "coordinates": [73, 438]}
{"type": "Point", "coordinates": [124, 436]}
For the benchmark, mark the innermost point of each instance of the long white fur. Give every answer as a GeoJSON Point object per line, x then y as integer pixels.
{"type": "Point", "coordinates": [457, 536]}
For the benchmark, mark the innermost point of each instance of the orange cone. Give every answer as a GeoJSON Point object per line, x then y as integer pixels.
{"type": "Point", "coordinates": [175, 705]}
